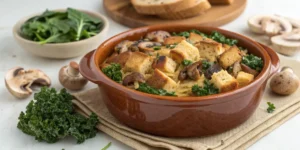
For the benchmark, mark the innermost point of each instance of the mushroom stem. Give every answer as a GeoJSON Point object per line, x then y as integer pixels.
{"type": "Point", "coordinates": [73, 69]}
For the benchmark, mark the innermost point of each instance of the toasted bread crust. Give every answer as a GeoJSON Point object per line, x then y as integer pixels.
{"type": "Point", "coordinates": [197, 9]}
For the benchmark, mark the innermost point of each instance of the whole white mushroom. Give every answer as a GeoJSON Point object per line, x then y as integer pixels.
{"type": "Point", "coordinates": [285, 82]}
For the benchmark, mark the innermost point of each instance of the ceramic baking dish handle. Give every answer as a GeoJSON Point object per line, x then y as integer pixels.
{"type": "Point", "coordinates": [275, 62]}
{"type": "Point", "coordinates": [88, 69]}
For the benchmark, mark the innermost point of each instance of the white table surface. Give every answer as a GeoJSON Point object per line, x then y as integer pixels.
{"type": "Point", "coordinates": [11, 55]}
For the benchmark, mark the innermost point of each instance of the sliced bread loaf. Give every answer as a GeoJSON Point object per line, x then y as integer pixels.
{"type": "Point", "coordinates": [199, 8]}
{"type": "Point", "coordinates": [153, 7]}
{"type": "Point", "coordinates": [220, 2]}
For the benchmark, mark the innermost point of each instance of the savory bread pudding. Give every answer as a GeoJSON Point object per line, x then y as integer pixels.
{"type": "Point", "coordinates": [188, 63]}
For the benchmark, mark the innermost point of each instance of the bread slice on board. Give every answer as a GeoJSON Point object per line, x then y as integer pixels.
{"type": "Point", "coordinates": [199, 8]}
{"type": "Point", "coordinates": [220, 2]}
{"type": "Point", "coordinates": [153, 7]}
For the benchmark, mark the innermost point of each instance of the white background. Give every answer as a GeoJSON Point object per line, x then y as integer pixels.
{"type": "Point", "coordinates": [285, 137]}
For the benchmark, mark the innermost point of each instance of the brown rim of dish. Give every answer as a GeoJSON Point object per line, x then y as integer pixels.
{"type": "Point", "coordinates": [267, 67]}
{"type": "Point", "coordinates": [18, 25]}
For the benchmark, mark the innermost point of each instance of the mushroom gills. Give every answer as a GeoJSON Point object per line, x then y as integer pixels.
{"type": "Point", "coordinates": [287, 44]}
{"type": "Point", "coordinates": [269, 24]}
{"type": "Point", "coordinates": [19, 81]}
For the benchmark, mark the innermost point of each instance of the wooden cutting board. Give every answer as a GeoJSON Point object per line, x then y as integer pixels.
{"type": "Point", "coordinates": [123, 12]}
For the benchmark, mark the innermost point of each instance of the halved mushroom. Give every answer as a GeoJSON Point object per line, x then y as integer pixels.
{"type": "Point", "coordinates": [18, 81]}
{"type": "Point", "coordinates": [158, 36]}
{"type": "Point", "coordinates": [236, 68]}
{"type": "Point", "coordinates": [173, 40]}
{"type": "Point", "coordinates": [211, 70]}
{"type": "Point", "coordinates": [123, 46]}
{"type": "Point", "coordinates": [247, 69]}
{"type": "Point", "coordinates": [133, 77]}
{"type": "Point", "coordinates": [192, 71]}
{"type": "Point", "coordinates": [270, 25]}
{"type": "Point", "coordinates": [120, 59]}
{"type": "Point", "coordinates": [295, 22]}
{"type": "Point", "coordinates": [148, 46]}
{"type": "Point", "coordinates": [287, 44]}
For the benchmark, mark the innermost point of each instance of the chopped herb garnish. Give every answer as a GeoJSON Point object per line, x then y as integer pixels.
{"type": "Point", "coordinates": [186, 62]}
{"type": "Point", "coordinates": [156, 47]}
{"type": "Point", "coordinates": [214, 35]}
{"type": "Point", "coordinates": [107, 146]}
{"type": "Point", "coordinates": [113, 71]}
{"type": "Point", "coordinates": [206, 64]}
{"type": "Point", "coordinates": [271, 107]}
{"type": "Point", "coordinates": [198, 32]}
{"type": "Point", "coordinates": [143, 87]}
{"type": "Point", "coordinates": [186, 34]}
{"type": "Point", "coordinates": [222, 39]}
{"type": "Point", "coordinates": [171, 46]}
{"type": "Point", "coordinates": [207, 89]}
{"type": "Point", "coordinates": [230, 69]}
{"type": "Point", "coordinates": [253, 62]}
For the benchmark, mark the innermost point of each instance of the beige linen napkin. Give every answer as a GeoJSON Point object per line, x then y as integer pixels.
{"type": "Point", "coordinates": [241, 137]}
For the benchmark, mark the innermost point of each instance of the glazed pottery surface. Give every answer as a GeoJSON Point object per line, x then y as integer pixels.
{"type": "Point", "coordinates": [179, 116]}
{"type": "Point", "coordinates": [60, 50]}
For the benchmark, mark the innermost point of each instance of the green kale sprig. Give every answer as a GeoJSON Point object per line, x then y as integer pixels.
{"type": "Point", "coordinates": [222, 39]}
{"type": "Point", "coordinates": [271, 107]}
{"type": "Point", "coordinates": [207, 89]}
{"type": "Point", "coordinates": [253, 62]}
{"type": "Point", "coordinates": [61, 27]}
{"type": "Point", "coordinates": [186, 62]}
{"type": "Point", "coordinates": [217, 36]}
{"type": "Point", "coordinates": [113, 71]}
{"type": "Point", "coordinates": [143, 87]}
{"type": "Point", "coordinates": [51, 117]}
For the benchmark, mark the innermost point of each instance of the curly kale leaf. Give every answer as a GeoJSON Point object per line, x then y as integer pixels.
{"type": "Point", "coordinates": [186, 62]}
{"type": "Point", "coordinates": [113, 71]}
{"type": "Point", "coordinates": [222, 39]}
{"type": "Point", "coordinates": [51, 117]}
{"type": "Point", "coordinates": [207, 89]}
{"type": "Point", "coordinates": [253, 62]}
{"type": "Point", "coordinates": [143, 87]}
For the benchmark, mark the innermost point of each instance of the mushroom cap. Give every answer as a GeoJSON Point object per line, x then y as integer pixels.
{"type": "Point", "coordinates": [158, 36]}
{"type": "Point", "coordinates": [287, 44]}
{"type": "Point", "coordinates": [18, 81]}
{"type": "Point", "coordinates": [284, 83]}
{"type": "Point", "coordinates": [148, 46]}
{"type": "Point", "coordinates": [70, 77]}
{"type": "Point", "coordinates": [255, 23]}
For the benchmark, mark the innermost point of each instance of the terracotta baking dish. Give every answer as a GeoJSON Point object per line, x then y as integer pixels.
{"type": "Point", "coordinates": [179, 116]}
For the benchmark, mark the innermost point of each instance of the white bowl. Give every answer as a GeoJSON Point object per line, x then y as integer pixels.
{"type": "Point", "coordinates": [61, 50]}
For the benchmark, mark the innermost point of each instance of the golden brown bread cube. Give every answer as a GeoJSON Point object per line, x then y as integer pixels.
{"type": "Point", "coordinates": [224, 81]}
{"type": "Point", "coordinates": [195, 37]}
{"type": "Point", "coordinates": [209, 49]}
{"type": "Point", "coordinates": [229, 57]}
{"type": "Point", "coordinates": [244, 78]}
{"type": "Point", "coordinates": [138, 62]}
{"type": "Point", "coordinates": [184, 50]}
{"type": "Point", "coordinates": [173, 40]}
{"type": "Point", "coordinates": [160, 80]}
{"type": "Point", "coordinates": [165, 64]}
{"type": "Point", "coordinates": [226, 47]}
